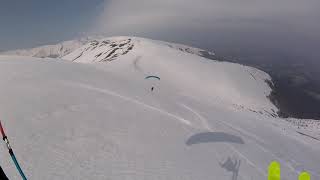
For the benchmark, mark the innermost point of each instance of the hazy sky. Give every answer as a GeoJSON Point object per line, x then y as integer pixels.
{"type": "Point", "coordinates": [251, 26]}
{"type": "Point", "coordinates": [28, 23]}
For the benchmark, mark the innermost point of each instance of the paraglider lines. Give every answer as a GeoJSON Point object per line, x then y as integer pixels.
{"type": "Point", "coordinates": [13, 157]}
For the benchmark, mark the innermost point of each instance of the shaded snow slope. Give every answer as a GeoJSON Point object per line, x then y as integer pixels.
{"type": "Point", "coordinates": [101, 121]}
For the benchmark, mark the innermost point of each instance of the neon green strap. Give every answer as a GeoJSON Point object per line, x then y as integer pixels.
{"type": "Point", "coordinates": [274, 171]}
{"type": "Point", "coordinates": [304, 176]}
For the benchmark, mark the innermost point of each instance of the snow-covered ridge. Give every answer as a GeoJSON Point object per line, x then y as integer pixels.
{"type": "Point", "coordinates": [123, 44]}
{"type": "Point", "coordinates": [50, 51]}
{"type": "Point", "coordinates": [108, 49]}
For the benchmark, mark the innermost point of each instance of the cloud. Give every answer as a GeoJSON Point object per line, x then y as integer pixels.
{"type": "Point", "coordinates": [157, 16]}
{"type": "Point", "coordinates": [253, 29]}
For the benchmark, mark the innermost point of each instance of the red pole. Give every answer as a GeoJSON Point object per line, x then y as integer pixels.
{"type": "Point", "coordinates": [2, 131]}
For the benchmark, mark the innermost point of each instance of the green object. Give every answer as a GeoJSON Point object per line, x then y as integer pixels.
{"type": "Point", "coordinates": [274, 171]}
{"type": "Point", "coordinates": [304, 176]}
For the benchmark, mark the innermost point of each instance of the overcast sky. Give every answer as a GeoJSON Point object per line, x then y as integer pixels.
{"type": "Point", "coordinates": [233, 25]}
{"type": "Point", "coordinates": [286, 26]}
{"type": "Point", "coordinates": [143, 16]}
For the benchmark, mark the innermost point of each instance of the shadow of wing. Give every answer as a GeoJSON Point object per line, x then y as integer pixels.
{"type": "Point", "coordinates": [212, 137]}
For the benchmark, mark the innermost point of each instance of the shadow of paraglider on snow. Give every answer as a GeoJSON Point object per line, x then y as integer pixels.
{"type": "Point", "coordinates": [232, 166]}
{"type": "Point", "coordinates": [211, 137]}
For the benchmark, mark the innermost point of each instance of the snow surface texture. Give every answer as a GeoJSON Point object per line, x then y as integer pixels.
{"type": "Point", "coordinates": [204, 120]}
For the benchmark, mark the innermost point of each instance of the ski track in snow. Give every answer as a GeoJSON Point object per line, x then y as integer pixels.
{"type": "Point", "coordinates": [136, 64]}
{"type": "Point", "coordinates": [205, 124]}
{"type": "Point", "coordinates": [180, 119]}
{"type": "Point", "coordinates": [105, 91]}
{"type": "Point", "coordinates": [203, 120]}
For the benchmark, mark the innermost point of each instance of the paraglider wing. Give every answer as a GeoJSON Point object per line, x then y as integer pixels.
{"type": "Point", "coordinates": [155, 77]}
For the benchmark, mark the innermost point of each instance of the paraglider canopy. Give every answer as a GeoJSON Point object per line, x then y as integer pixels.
{"type": "Point", "coordinates": [150, 77]}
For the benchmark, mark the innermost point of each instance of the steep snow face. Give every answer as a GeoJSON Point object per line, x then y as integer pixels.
{"type": "Point", "coordinates": [101, 120]}
{"type": "Point", "coordinates": [185, 69]}
{"type": "Point", "coordinates": [50, 51]}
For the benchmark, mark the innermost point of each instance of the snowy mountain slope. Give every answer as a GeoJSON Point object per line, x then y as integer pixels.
{"type": "Point", "coordinates": [238, 86]}
{"type": "Point", "coordinates": [50, 51]}
{"type": "Point", "coordinates": [101, 121]}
